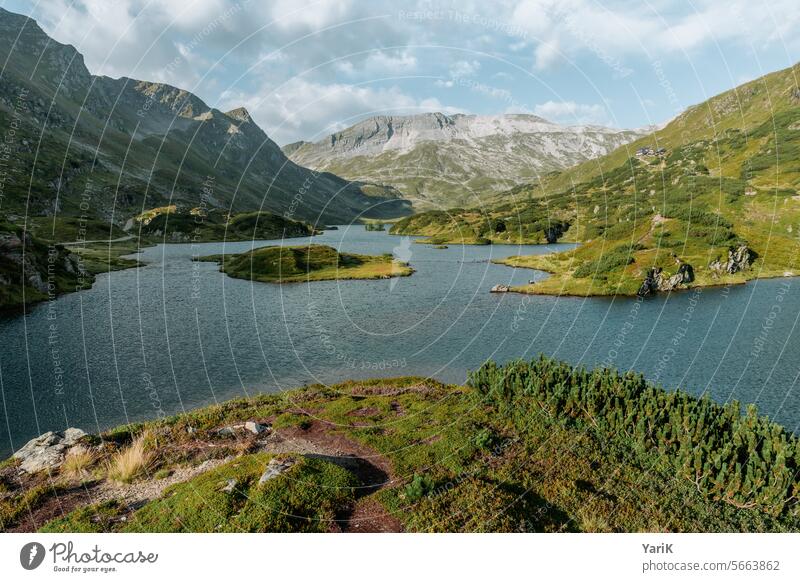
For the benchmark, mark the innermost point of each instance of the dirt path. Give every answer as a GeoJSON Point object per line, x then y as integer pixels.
{"type": "Point", "coordinates": [132, 495]}
{"type": "Point", "coordinates": [373, 471]}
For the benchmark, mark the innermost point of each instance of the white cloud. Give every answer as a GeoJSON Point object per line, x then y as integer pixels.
{"type": "Point", "coordinates": [328, 42]}
{"type": "Point", "coordinates": [390, 63]}
{"type": "Point", "coordinates": [305, 109]}
{"type": "Point", "coordinates": [547, 54]}
{"type": "Point", "coordinates": [571, 113]}
{"type": "Point", "coordinates": [461, 69]}
{"type": "Point", "coordinates": [309, 14]}
{"type": "Point", "coordinates": [650, 30]}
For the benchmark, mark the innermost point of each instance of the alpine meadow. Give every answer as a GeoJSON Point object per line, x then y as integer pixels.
{"type": "Point", "coordinates": [330, 267]}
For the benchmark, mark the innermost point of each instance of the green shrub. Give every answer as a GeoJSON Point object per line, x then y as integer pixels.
{"type": "Point", "coordinates": [484, 439]}
{"type": "Point", "coordinates": [420, 486]}
{"type": "Point", "coordinates": [743, 459]}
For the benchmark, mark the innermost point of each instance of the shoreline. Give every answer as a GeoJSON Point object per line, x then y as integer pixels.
{"type": "Point", "coordinates": [531, 289]}
{"type": "Point", "coordinates": [388, 444]}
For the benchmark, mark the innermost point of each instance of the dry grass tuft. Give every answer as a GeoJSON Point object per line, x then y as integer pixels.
{"type": "Point", "coordinates": [131, 462]}
{"type": "Point", "coordinates": [77, 462]}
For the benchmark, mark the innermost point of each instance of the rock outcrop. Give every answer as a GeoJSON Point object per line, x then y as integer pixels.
{"type": "Point", "coordinates": [25, 262]}
{"type": "Point", "coordinates": [555, 232]}
{"type": "Point", "coordinates": [657, 280]}
{"type": "Point", "coordinates": [739, 259]}
{"type": "Point", "coordinates": [252, 426]}
{"type": "Point", "coordinates": [500, 289]}
{"type": "Point", "coordinates": [48, 450]}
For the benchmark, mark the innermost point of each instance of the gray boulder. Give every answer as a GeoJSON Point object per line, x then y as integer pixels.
{"type": "Point", "coordinates": [47, 451]}
{"type": "Point", "coordinates": [255, 427]}
{"type": "Point", "coordinates": [275, 468]}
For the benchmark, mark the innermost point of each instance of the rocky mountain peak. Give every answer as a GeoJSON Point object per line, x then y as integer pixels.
{"type": "Point", "coordinates": [240, 114]}
{"type": "Point", "coordinates": [179, 101]}
{"type": "Point", "coordinates": [172, 141]}
{"type": "Point", "coordinates": [481, 153]}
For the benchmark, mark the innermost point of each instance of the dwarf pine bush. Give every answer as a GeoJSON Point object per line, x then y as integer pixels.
{"type": "Point", "coordinates": [742, 459]}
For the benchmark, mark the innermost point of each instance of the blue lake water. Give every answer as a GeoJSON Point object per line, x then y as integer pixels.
{"type": "Point", "coordinates": [177, 334]}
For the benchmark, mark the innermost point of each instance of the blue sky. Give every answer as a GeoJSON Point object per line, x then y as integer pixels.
{"type": "Point", "coordinates": [306, 68]}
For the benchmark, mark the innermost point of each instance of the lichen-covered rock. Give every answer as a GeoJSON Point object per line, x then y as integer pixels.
{"type": "Point", "coordinates": [255, 427]}
{"type": "Point", "coordinates": [649, 286]}
{"type": "Point", "coordinates": [739, 259]}
{"type": "Point", "coordinates": [47, 451]}
{"type": "Point", "coordinates": [657, 280]}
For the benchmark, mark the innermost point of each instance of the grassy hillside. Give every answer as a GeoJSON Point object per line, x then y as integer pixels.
{"type": "Point", "coordinates": [532, 224]}
{"type": "Point", "coordinates": [34, 269]}
{"type": "Point", "coordinates": [725, 183]}
{"type": "Point", "coordinates": [93, 145]}
{"type": "Point", "coordinates": [30, 270]}
{"type": "Point", "coordinates": [307, 263]}
{"type": "Point", "coordinates": [531, 446]}
{"type": "Point", "coordinates": [43, 257]}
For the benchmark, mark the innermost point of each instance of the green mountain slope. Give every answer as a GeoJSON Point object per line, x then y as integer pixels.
{"type": "Point", "coordinates": [712, 198]}
{"type": "Point", "coordinates": [108, 148]}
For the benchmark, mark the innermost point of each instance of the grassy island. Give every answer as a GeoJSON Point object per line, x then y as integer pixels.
{"type": "Point", "coordinates": [308, 263]}
{"type": "Point", "coordinates": [534, 446]}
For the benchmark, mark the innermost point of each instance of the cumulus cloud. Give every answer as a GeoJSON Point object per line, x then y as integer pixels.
{"type": "Point", "coordinates": [309, 14]}
{"type": "Point", "coordinates": [246, 47]}
{"type": "Point", "coordinates": [378, 64]}
{"type": "Point", "coordinates": [649, 29]}
{"type": "Point", "coordinates": [464, 69]}
{"type": "Point", "coordinates": [306, 108]}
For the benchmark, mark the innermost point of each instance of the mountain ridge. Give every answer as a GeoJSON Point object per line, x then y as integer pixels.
{"type": "Point", "coordinates": [144, 144]}
{"type": "Point", "coordinates": [447, 160]}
